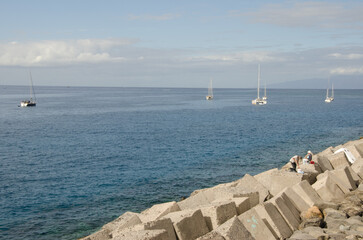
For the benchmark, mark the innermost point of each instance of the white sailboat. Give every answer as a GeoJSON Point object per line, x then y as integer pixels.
{"type": "Point", "coordinates": [210, 91]}
{"type": "Point", "coordinates": [265, 96]}
{"type": "Point", "coordinates": [32, 101]}
{"type": "Point", "coordinates": [331, 98]}
{"type": "Point", "coordinates": [258, 100]}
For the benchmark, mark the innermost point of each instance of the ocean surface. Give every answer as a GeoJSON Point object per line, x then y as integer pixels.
{"type": "Point", "coordinates": [84, 156]}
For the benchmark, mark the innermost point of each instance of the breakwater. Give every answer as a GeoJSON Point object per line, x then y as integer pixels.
{"type": "Point", "coordinates": [323, 199]}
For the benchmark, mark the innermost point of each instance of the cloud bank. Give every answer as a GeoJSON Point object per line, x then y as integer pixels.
{"type": "Point", "coordinates": [46, 53]}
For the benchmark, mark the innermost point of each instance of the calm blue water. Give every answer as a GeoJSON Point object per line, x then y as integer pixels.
{"type": "Point", "coordinates": [84, 156]}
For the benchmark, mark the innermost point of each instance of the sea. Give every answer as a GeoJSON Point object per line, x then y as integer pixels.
{"type": "Point", "coordinates": [85, 155]}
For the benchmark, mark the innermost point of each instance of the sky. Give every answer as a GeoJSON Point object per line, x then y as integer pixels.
{"type": "Point", "coordinates": [157, 43]}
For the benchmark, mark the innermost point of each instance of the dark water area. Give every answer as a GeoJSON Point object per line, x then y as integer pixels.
{"type": "Point", "coordinates": [83, 156]}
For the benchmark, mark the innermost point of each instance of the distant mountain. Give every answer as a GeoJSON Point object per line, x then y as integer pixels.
{"type": "Point", "coordinates": [340, 82]}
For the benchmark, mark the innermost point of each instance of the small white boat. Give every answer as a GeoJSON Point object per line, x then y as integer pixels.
{"type": "Point", "coordinates": [258, 100]}
{"type": "Point", "coordinates": [331, 98]}
{"type": "Point", "coordinates": [210, 91]}
{"type": "Point", "coordinates": [31, 102]}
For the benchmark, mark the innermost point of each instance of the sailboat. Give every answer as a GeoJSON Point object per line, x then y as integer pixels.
{"type": "Point", "coordinates": [30, 102]}
{"type": "Point", "coordinates": [258, 100]}
{"type": "Point", "coordinates": [331, 98]}
{"type": "Point", "coordinates": [210, 91]}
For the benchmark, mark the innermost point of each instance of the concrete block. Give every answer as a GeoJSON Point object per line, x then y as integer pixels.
{"type": "Point", "coordinates": [336, 180]}
{"type": "Point", "coordinates": [299, 203]}
{"type": "Point", "coordinates": [338, 160]}
{"type": "Point", "coordinates": [157, 211]}
{"type": "Point", "coordinates": [357, 167]}
{"type": "Point", "coordinates": [217, 213]}
{"type": "Point", "coordinates": [126, 220]}
{"type": "Point", "coordinates": [233, 229]}
{"type": "Point", "coordinates": [211, 236]}
{"type": "Point", "coordinates": [323, 162]}
{"type": "Point", "coordinates": [359, 147]}
{"type": "Point", "coordinates": [354, 151]}
{"type": "Point", "coordinates": [305, 191]}
{"type": "Point", "coordinates": [354, 175]}
{"type": "Point", "coordinates": [195, 201]}
{"type": "Point", "coordinates": [328, 190]}
{"type": "Point", "coordinates": [143, 234]}
{"type": "Point", "coordinates": [275, 180]}
{"type": "Point", "coordinates": [344, 174]}
{"type": "Point", "coordinates": [188, 224]}
{"type": "Point", "coordinates": [286, 211]}
{"type": "Point", "coordinates": [258, 228]}
{"type": "Point", "coordinates": [242, 203]}
{"type": "Point", "coordinates": [249, 184]}
{"type": "Point", "coordinates": [269, 212]}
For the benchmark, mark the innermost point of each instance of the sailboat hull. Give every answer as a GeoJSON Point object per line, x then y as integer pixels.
{"type": "Point", "coordinates": [209, 97]}
{"type": "Point", "coordinates": [27, 104]}
{"type": "Point", "coordinates": [259, 102]}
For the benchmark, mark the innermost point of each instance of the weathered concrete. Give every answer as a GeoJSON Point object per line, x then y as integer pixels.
{"type": "Point", "coordinates": [126, 220]}
{"type": "Point", "coordinates": [269, 212]}
{"type": "Point", "coordinates": [258, 228]}
{"type": "Point", "coordinates": [338, 160]}
{"type": "Point", "coordinates": [286, 211]}
{"type": "Point", "coordinates": [143, 235]}
{"type": "Point", "coordinates": [250, 184]}
{"type": "Point", "coordinates": [233, 229]}
{"type": "Point", "coordinates": [334, 178]}
{"type": "Point", "coordinates": [158, 210]}
{"type": "Point", "coordinates": [211, 236]}
{"type": "Point", "coordinates": [242, 203]}
{"type": "Point", "coordinates": [328, 190]}
{"type": "Point", "coordinates": [344, 174]}
{"type": "Point", "coordinates": [102, 234]}
{"type": "Point", "coordinates": [165, 224]}
{"type": "Point", "coordinates": [357, 167]}
{"type": "Point", "coordinates": [299, 203]}
{"type": "Point", "coordinates": [323, 162]}
{"type": "Point", "coordinates": [359, 147]}
{"type": "Point", "coordinates": [306, 191]}
{"type": "Point", "coordinates": [217, 213]}
{"type": "Point", "coordinates": [188, 224]}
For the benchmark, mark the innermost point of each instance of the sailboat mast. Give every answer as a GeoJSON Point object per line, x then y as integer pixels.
{"type": "Point", "coordinates": [258, 82]}
{"type": "Point", "coordinates": [31, 86]}
{"type": "Point", "coordinates": [332, 90]}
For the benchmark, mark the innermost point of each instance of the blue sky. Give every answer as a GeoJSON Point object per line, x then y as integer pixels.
{"type": "Point", "coordinates": [178, 43]}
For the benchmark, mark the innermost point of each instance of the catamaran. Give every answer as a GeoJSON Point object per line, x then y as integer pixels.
{"type": "Point", "coordinates": [331, 98]}
{"type": "Point", "coordinates": [258, 100]}
{"type": "Point", "coordinates": [31, 102]}
{"type": "Point", "coordinates": [210, 91]}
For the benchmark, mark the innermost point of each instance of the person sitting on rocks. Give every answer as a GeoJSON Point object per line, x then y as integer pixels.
{"type": "Point", "coordinates": [294, 162]}
{"type": "Point", "coordinates": [308, 158]}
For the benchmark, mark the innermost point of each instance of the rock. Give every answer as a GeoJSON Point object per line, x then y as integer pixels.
{"type": "Point", "coordinates": [328, 190]}
{"type": "Point", "coordinates": [338, 160]}
{"type": "Point", "coordinates": [250, 184]}
{"type": "Point", "coordinates": [316, 232]}
{"type": "Point", "coordinates": [312, 212]}
{"type": "Point", "coordinates": [242, 203]}
{"type": "Point", "coordinates": [333, 213]}
{"type": "Point", "coordinates": [211, 236]}
{"type": "Point", "coordinates": [311, 222]}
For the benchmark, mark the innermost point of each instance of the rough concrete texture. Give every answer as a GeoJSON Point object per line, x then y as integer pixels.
{"type": "Point", "coordinates": [336, 180]}
{"type": "Point", "coordinates": [217, 213]}
{"type": "Point", "coordinates": [357, 167]}
{"type": "Point", "coordinates": [188, 224]}
{"type": "Point", "coordinates": [102, 234]}
{"type": "Point", "coordinates": [242, 203]}
{"type": "Point", "coordinates": [158, 210]}
{"type": "Point", "coordinates": [344, 174]}
{"type": "Point", "coordinates": [233, 229]}
{"type": "Point", "coordinates": [359, 147]}
{"type": "Point", "coordinates": [165, 224]}
{"type": "Point", "coordinates": [323, 162]}
{"type": "Point", "coordinates": [126, 220]}
{"type": "Point", "coordinates": [275, 181]}
{"type": "Point", "coordinates": [306, 191]}
{"type": "Point", "coordinates": [211, 236]}
{"type": "Point", "coordinates": [286, 211]}
{"type": "Point", "coordinates": [354, 151]}
{"type": "Point", "coordinates": [298, 202]}
{"type": "Point", "coordinates": [250, 184]}
{"type": "Point", "coordinates": [258, 228]}
{"type": "Point", "coordinates": [328, 190]}
{"type": "Point", "coordinates": [269, 212]}
{"type": "Point", "coordinates": [338, 160]}
{"type": "Point", "coordinates": [143, 235]}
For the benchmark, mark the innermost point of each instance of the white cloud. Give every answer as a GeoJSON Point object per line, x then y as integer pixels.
{"type": "Point", "coordinates": [163, 17]}
{"type": "Point", "coordinates": [46, 53]}
{"type": "Point", "coordinates": [351, 56]}
{"type": "Point", "coordinates": [247, 57]}
{"type": "Point", "coordinates": [347, 70]}
{"type": "Point", "coordinates": [308, 14]}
